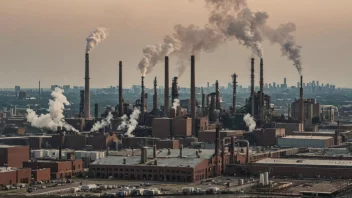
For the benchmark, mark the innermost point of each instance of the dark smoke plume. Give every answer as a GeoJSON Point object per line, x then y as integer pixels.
{"type": "Point", "coordinates": [228, 20]}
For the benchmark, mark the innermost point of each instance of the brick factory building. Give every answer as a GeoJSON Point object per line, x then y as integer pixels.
{"type": "Point", "coordinates": [208, 135]}
{"type": "Point", "coordinates": [172, 127]}
{"type": "Point", "coordinates": [290, 127]}
{"type": "Point", "coordinates": [58, 169]}
{"type": "Point", "coordinates": [268, 137]}
{"type": "Point", "coordinates": [305, 141]}
{"type": "Point", "coordinates": [301, 168]}
{"type": "Point", "coordinates": [13, 156]}
{"type": "Point", "coordinates": [182, 165]}
{"type": "Point", "coordinates": [10, 176]}
{"type": "Point", "coordinates": [41, 175]}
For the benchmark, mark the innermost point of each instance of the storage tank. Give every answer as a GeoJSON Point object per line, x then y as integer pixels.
{"type": "Point", "coordinates": [261, 178]}
{"type": "Point", "coordinates": [240, 182]}
{"type": "Point", "coordinates": [266, 178]}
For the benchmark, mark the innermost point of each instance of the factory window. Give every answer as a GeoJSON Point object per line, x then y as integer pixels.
{"type": "Point", "coordinates": [115, 169]}
{"type": "Point", "coordinates": [121, 169]}
{"type": "Point", "coordinates": [149, 171]}
{"type": "Point", "coordinates": [103, 169]}
{"type": "Point", "coordinates": [110, 169]}
{"type": "Point", "coordinates": [132, 170]}
{"type": "Point", "coordinates": [98, 169]}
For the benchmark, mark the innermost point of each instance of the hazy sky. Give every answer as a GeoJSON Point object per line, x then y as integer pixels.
{"type": "Point", "coordinates": [45, 40]}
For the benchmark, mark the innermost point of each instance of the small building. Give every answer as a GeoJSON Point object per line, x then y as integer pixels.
{"type": "Point", "coordinates": [13, 156]}
{"type": "Point", "coordinates": [209, 135]}
{"type": "Point", "coordinates": [172, 127]}
{"type": "Point", "coordinates": [10, 175]}
{"type": "Point", "coordinates": [267, 137]}
{"type": "Point", "coordinates": [290, 127]}
{"type": "Point", "coordinates": [305, 141]}
{"type": "Point", "coordinates": [41, 175]}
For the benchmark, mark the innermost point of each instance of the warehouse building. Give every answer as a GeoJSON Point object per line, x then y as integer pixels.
{"type": "Point", "coordinates": [13, 156]}
{"type": "Point", "coordinates": [303, 168]}
{"type": "Point", "coordinates": [305, 141]}
{"type": "Point", "coordinates": [182, 165]}
{"type": "Point", "coordinates": [10, 175]}
{"type": "Point", "coordinates": [290, 127]}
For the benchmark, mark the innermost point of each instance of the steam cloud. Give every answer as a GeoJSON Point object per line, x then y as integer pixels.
{"type": "Point", "coordinates": [249, 122]}
{"type": "Point", "coordinates": [228, 20]}
{"type": "Point", "coordinates": [101, 124]}
{"type": "Point", "coordinates": [176, 103]}
{"type": "Point", "coordinates": [131, 124]}
{"type": "Point", "coordinates": [55, 117]}
{"type": "Point", "coordinates": [96, 37]}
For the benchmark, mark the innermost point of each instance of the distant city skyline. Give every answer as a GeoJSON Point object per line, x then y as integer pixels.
{"type": "Point", "coordinates": [41, 43]}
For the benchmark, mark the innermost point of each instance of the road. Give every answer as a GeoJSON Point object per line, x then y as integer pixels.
{"type": "Point", "coordinates": [52, 189]}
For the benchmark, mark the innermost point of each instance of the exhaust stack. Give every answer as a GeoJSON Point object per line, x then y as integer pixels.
{"type": "Point", "coordinates": [261, 95]}
{"type": "Point", "coordinates": [217, 147]}
{"type": "Point", "coordinates": [96, 111]}
{"type": "Point", "coordinates": [234, 91]}
{"type": "Point", "coordinates": [120, 91]}
{"type": "Point", "coordinates": [87, 90]}
{"type": "Point", "coordinates": [142, 98]}
{"type": "Point", "coordinates": [166, 87]}
{"type": "Point", "coordinates": [301, 101]}
{"type": "Point", "coordinates": [155, 97]}
{"type": "Point", "coordinates": [174, 90]}
{"type": "Point", "coordinates": [81, 104]}
{"type": "Point", "coordinates": [203, 102]}
{"type": "Point", "coordinates": [217, 91]}
{"type": "Point", "coordinates": [193, 96]}
{"type": "Point", "coordinates": [252, 86]}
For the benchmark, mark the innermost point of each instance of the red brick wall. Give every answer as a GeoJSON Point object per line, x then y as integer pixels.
{"type": "Point", "coordinates": [7, 178]}
{"type": "Point", "coordinates": [41, 174]}
{"type": "Point", "coordinates": [24, 175]}
{"type": "Point", "coordinates": [77, 166]}
{"type": "Point", "coordinates": [17, 155]}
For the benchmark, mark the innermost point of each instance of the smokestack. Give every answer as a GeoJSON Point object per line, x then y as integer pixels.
{"type": "Point", "coordinates": [142, 102]}
{"type": "Point", "coordinates": [174, 90]}
{"type": "Point", "coordinates": [330, 113]}
{"type": "Point", "coordinates": [154, 151]}
{"type": "Point", "coordinates": [96, 111]}
{"type": "Point", "coordinates": [181, 148]}
{"type": "Point", "coordinates": [81, 104]}
{"type": "Point", "coordinates": [120, 91]}
{"type": "Point", "coordinates": [217, 91]}
{"type": "Point", "coordinates": [261, 95]}
{"type": "Point", "coordinates": [144, 155]}
{"type": "Point", "coordinates": [60, 152]}
{"type": "Point", "coordinates": [234, 87]}
{"type": "Point", "coordinates": [252, 86]}
{"type": "Point", "coordinates": [208, 87]}
{"type": "Point", "coordinates": [155, 97]}
{"type": "Point", "coordinates": [39, 91]}
{"type": "Point", "coordinates": [193, 96]}
{"type": "Point", "coordinates": [337, 133]}
{"type": "Point", "coordinates": [87, 90]}
{"type": "Point", "coordinates": [166, 87]}
{"type": "Point", "coordinates": [301, 101]}
{"type": "Point", "coordinates": [203, 102]}
{"type": "Point", "coordinates": [217, 147]}
{"type": "Point", "coordinates": [232, 150]}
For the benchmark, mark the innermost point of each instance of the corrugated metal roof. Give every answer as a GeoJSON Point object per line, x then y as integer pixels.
{"type": "Point", "coordinates": [307, 137]}
{"type": "Point", "coordinates": [305, 162]}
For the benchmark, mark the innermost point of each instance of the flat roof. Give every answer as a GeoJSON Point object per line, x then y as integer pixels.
{"type": "Point", "coordinates": [161, 162]}
{"type": "Point", "coordinates": [305, 162]}
{"type": "Point", "coordinates": [307, 137]}
{"type": "Point", "coordinates": [7, 169]}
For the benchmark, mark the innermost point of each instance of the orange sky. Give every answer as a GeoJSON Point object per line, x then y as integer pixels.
{"type": "Point", "coordinates": [46, 39]}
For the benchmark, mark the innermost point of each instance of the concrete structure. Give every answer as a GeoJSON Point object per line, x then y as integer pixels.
{"type": "Point", "coordinates": [290, 127]}
{"type": "Point", "coordinates": [167, 144]}
{"type": "Point", "coordinates": [303, 168]}
{"type": "Point", "coordinates": [267, 137]}
{"type": "Point", "coordinates": [58, 169]}
{"type": "Point", "coordinates": [182, 165]}
{"type": "Point", "coordinates": [13, 156]}
{"type": "Point", "coordinates": [311, 110]}
{"type": "Point", "coordinates": [305, 141]}
{"type": "Point", "coordinates": [172, 127]}
{"type": "Point", "coordinates": [209, 135]}
{"type": "Point", "coordinates": [10, 176]}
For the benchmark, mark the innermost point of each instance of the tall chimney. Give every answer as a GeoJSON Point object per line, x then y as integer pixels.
{"type": "Point", "coordinates": [166, 87]}
{"type": "Point", "coordinates": [155, 97]}
{"type": "Point", "coordinates": [142, 97]}
{"type": "Point", "coordinates": [193, 96]}
{"type": "Point", "coordinates": [174, 90]}
{"type": "Point", "coordinates": [252, 86]}
{"type": "Point", "coordinates": [154, 151]}
{"type": "Point", "coordinates": [81, 104]}
{"type": "Point", "coordinates": [87, 90]}
{"type": "Point", "coordinates": [337, 133]}
{"type": "Point", "coordinates": [181, 149]}
{"type": "Point", "coordinates": [232, 150]}
{"type": "Point", "coordinates": [39, 91]}
{"type": "Point", "coordinates": [217, 147]}
{"type": "Point", "coordinates": [203, 102]}
{"type": "Point", "coordinates": [120, 91]}
{"type": "Point", "coordinates": [217, 91]}
{"type": "Point", "coordinates": [301, 101]}
{"type": "Point", "coordinates": [261, 95]}
{"type": "Point", "coordinates": [330, 113]}
{"type": "Point", "coordinates": [234, 87]}
{"type": "Point", "coordinates": [96, 111]}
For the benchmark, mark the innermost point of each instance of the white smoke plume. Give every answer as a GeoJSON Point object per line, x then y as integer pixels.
{"type": "Point", "coordinates": [124, 123]}
{"type": "Point", "coordinates": [96, 37]}
{"type": "Point", "coordinates": [228, 20]}
{"type": "Point", "coordinates": [103, 123]}
{"type": "Point", "coordinates": [176, 103]}
{"type": "Point", "coordinates": [55, 117]}
{"type": "Point", "coordinates": [133, 122]}
{"type": "Point", "coordinates": [249, 122]}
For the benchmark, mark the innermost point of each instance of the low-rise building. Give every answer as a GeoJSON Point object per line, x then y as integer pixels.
{"type": "Point", "coordinates": [305, 141]}
{"type": "Point", "coordinates": [13, 156]}
{"type": "Point", "coordinates": [10, 175]}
